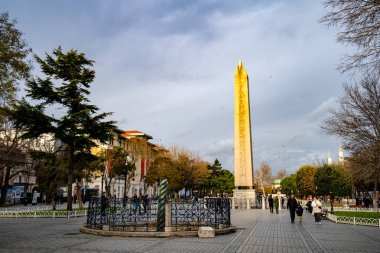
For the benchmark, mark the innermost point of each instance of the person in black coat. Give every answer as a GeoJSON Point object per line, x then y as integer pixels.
{"type": "Point", "coordinates": [270, 201]}
{"type": "Point", "coordinates": [292, 205]}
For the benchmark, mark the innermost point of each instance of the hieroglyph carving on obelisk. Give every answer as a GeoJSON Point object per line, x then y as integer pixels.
{"type": "Point", "coordinates": [242, 135]}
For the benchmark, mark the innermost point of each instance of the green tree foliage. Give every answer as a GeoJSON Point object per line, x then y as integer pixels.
{"type": "Point", "coordinates": [289, 184]}
{"type": "Point", "coordinates": [305, 180]}
{"type": "Point", "coordinates": [219, 180]}
{"type": "Point", "coordinates": [14, 65]}
{"type": "Point", "coordinates": [50, 174]}
{"type": "Point", "coordinates": [65, 88]}
{"type": "Point", "coordinates": [332, 178]}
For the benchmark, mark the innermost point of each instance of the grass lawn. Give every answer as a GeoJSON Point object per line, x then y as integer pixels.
{"type": "Point", "coordinates": [358, 214]}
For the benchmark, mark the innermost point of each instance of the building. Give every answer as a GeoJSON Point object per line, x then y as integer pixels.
{"type": "Point", "coordinates": [140, 152]}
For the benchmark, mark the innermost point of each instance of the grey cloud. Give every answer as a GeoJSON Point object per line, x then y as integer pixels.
{"type": "Point", "coordinates": [167, 68]}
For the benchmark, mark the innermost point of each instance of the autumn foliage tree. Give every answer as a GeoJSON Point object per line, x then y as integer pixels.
{"type": "Point", "coordinates": [264, 176]}
{"type": "Point", "coordinates": [305, 180]}
{"type": "Point", "coordinates": [183, 170]}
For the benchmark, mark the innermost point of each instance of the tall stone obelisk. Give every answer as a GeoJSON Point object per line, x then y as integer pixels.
{"type": "Point", "coordinates": [244, 195]}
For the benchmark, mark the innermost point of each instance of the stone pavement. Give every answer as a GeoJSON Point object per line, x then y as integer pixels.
{"type": "Point", "coordinates": [257, 231]}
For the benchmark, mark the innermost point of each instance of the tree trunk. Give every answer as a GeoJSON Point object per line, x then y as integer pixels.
{"type": "Point", "coordinates": [54, 202]}
{"type": "Point", "coordinates": [79, 194]}
{"type": "Point", "coordinates": [70, 191]}
{"type": "Point", "coordinates": [70, 181]}
{"type": "Point", "coordinates": [376, 197]}
{"type": "Point", "coordinates": [5, 187]}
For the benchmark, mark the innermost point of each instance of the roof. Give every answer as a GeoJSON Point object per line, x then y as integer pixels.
{"type": "Point", "coordinates": [135, 133]}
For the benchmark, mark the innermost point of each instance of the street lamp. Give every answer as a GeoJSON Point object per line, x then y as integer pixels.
{"type": "Point", "coordinates": [128, 164]}
{"type": "Point", "coordinates": [329, 172]}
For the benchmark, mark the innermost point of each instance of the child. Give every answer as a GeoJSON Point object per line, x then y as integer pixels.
{"type": "Point", "coordinates": [299, 212]}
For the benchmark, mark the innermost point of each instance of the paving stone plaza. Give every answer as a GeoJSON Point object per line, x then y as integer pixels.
{"type": "Point", "coordinates": [257, 231]}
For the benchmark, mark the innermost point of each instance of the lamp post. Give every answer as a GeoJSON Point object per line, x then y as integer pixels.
{"type": "Point", "coordinates": [128, 163]}
{"type": "Point", "coordinates": [329, 172]}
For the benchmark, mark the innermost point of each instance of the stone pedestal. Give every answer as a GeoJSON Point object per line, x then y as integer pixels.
{"type": "Point", "coordinates": [244, 199]}
{"type": "Point", "coordinates": [206, 232]}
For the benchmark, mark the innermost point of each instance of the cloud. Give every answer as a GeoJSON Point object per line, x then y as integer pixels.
{"type": "Point", "coordinates": [323, 109]}
{"type": "Point", "coordinates": [167, 68]}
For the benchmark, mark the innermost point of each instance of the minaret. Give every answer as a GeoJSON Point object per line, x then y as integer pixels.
{"type": "Point", "coordinates": [341, 157]}
{"type": "Point", "coordinates": [242, 133]}
{"type": "Point", "coordinates": [329, 160]}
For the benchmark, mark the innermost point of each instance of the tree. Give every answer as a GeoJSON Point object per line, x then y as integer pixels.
{"type": "Point", "coordinates": [360, 169]}
{"type": "Point", "coordinates": [332, 180]}
{"type": "Point", "coordinates": [13, 156]}
{"type": "Point", "coordinates": [289, 184]}
{"type": "Point", "coordinates": [192, 170]}
{"type": "Point", "coordinates": [219, 180]}
{"type": "Point", "coordinates": [119, 166]}
{"type": "Point", "coordinates": [14, 65]}
{"type": "Point", "coordinates": [161, 168]}
{"type": "Point", "coordinates": [360, 23]}
{"type": "Point", "coordinates": [65, 89]}
{"type": "Point", "coordinates": [281, 174]}
{"type": "Point", "coordinates": [264, 176]}
{"type": "Point", "coordinates": [49, 175]}
{"type": "Point", "coordinates": [305, 180]}
{"type": "Point", "coordinates": [357, 122]}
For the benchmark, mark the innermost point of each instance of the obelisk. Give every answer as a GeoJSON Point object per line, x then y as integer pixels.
{"type": "Point", "coordinates": [244, 195]}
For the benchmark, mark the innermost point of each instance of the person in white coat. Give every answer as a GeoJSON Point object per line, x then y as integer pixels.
{"type": "Point", "coordinates": [317, 210]}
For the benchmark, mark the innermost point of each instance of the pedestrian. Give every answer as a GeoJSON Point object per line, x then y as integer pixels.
{"type": "Point", "coordinates": [195, 199]}
{"type": "Point", "coordinates": [299, 212]}
{"type": "Point", "coordinates": [145, 201]}
{"type": "Point", "coordinates": [292, 205]}
{"type": "Point", "coordinates": [270, 201]}
{"type": "Point", "coordinates": [276, 203]}
{"type": "Point", "coordinates": [282, 202]}
{"type": "Point", "coordinates": [309, 207]}
{"type": "Point", "coordinates": [317, 210]}
{"type": "Point", "coordinates": [103, 204]}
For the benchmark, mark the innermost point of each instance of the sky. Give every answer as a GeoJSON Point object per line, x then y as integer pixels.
{"type": "Point", "coordinates": [166, 68]}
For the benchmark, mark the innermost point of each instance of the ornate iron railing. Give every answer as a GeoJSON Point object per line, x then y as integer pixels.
{"type": "Point", "coordinates": [135, 216]}
{"type": "Point", "coordinates": [190, 214]}
{"type": "Point", "coordinates": [43, 214]}
{"type": "Point", "coordinates": [354, 220]}
{"type": "Point", "coordinates": [122, 214]}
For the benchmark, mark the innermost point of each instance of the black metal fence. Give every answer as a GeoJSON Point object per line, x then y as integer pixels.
{"type": "Point", "coordinates": [190, 214]}
{"type": "Point", "coordinates": [134, 215]}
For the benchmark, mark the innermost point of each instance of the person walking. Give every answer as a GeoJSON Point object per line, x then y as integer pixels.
{"type": "Point", "coordinates": [299, 212]}
{"type": "Point", "coordinates": [317, 210]}
{"type": "Point", "coordinates": [276, 203]}
{"type": "Point", "coordinates": [291, 206]}
{"type": "Point", "coordinates": [270, 201]}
